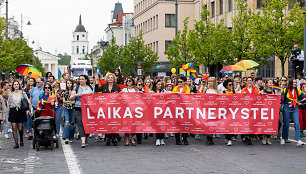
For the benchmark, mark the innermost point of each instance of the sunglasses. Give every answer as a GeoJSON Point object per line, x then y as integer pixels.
{"type": "Point", "coordinates": [230, 85]}
{"type": "Point", "coordinates": [179, 81]}
{"type": "Point", "coordinates": [139, 85]}
{"type": "Point", "coordinates": [284, 80]}
{"type": "Point", "coordinates": [129, 81]}
{"type": "Point", "coordinates": [47, 87]}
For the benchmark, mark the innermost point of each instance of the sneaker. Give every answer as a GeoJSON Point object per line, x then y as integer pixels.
{"type": "Point", "coordinates": [171, 135]}
{"type": "Point", "coordinates": [233, 138]}
{"type": "Point", "coordinates": [229, 143]}
{"type": "Point", "coordinates": [83, 145]}
{"type": "Point", "coordinates": [66, 141]}
{"type": "Point", "coordinates": [299, 143]}
{"type": "Point", "coordinates": [269, 142]}
{"type": "Point", "coordinates": [10, 130]}
{"type": "Point", "coordinates": [197, 136]}
{"type": "Point", "coordinates": [70, 141]}
{"type": "Point", "coordinates": [166, 136]}
{"type": "Point", "coordinates": [179, 143]}
{"type": "Point", "coordinates": [264, 141]}
{"type": "Point", "coordinates": [157, 142]}
{"type": "Point", "coordinates": [302, 134]}
{"type": "Point", "coordinates": [90, 136]}
{"type": "Point", "coordinates": [282, 142]}
{"type": "Point", "coordinates": [6, 136]}
{"type": "Point", "coordinates": [287, 141]}
{"type": "Point", "coordinates": [186, 142]}
{"type": "Point", "coordinates": [162, 142]}
{"type": "Point", "coordinates": [86, 143]}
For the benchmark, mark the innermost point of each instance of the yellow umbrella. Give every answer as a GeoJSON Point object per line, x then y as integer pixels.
{"type": "Point", "coordinates": [247, 64]}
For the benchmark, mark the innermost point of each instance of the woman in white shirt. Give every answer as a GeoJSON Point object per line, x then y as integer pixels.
{"type": "Point", "coordinates": [130, 88]}
{"type": "Point", "coordinates": [212, 88]}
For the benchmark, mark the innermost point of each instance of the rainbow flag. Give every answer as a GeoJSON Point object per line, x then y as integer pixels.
{"type": "Point", "coordinates": [188, 67]}
{"type": "Point", "coordinates": [193, 76]}
{"type": "Point", "coordinates": [21, 82]}
{"type": "Point", "coordinates": [60, 78]}
{"type": "Point", "coordinates": [275, 87]}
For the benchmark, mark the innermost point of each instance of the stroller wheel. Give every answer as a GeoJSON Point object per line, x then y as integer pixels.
{"type": "Point", "coordinates": [34, 143]}
{"type": "Point", "coordinates": [37, 146]}
{"type": "Point", "coordinates": [52, 145]}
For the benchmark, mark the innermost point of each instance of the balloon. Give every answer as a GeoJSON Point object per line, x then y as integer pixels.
{"type": "Point", "coordinates": [173, 70]}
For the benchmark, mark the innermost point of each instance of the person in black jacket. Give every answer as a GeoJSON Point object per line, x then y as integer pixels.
{"type": "Point", "coordinates": [110, 87]}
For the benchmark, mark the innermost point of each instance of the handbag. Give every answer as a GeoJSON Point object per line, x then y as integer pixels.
{"type": "Point", "coordinates": [24, 103]}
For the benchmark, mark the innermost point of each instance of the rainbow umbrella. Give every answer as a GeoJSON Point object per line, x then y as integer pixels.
{"type": "Point", "coordinates": [247, 64]}
{"type": "Point", "coordinates": [25, 69]}
{"type": "Point", "coordinates": [232, 69]}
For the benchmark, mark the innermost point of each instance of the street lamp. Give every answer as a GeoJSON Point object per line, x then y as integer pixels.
{"type": "Point", "coordinates": [111, 30]}
{"type": "Point", "coordinates": [176, 14]}
{"type": "Point", "coordinates": [21, 22]}
{"type": "Point", "coordinates": [6, 3]}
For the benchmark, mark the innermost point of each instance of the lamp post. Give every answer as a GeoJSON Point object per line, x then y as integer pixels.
{"type": "Point", "coordinates": [304, 42]}
{"type": "Point", "coordinates": [21, 23]}
{"type": "Point", "coordinates": [111, 30]}
{"type": "Point", "coordinates": [176, 20]}
{"type": "Point", "coordinates": [6, 2]}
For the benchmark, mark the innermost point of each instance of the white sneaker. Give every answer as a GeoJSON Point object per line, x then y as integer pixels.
{"type": "Point", "coordinates": [70, 141]}
{"type": "Point", "coordinates": [162, 142]}
{"type": "Point", "coordinates": [299, 143]}
{"type": "Point", "coordinates": [6, 136]}
{"type": "Point", "coordinates": [197, 136]}
{"type": "Point", "coordinates": [264, 141]}
{"type": "Point", "coordinates": [166, 136]}
{"type": "Point", "coordinates": [157, 142]}
{"type": "Point", "coordinates": [229, 143]}
{"type": "Point", "coordinates": [282, 141]}
{"type": "Point", "coordinates": [10, 130]}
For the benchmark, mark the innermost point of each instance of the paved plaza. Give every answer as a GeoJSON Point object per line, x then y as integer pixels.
{"type": "Point", "coordinates": [147, 158]}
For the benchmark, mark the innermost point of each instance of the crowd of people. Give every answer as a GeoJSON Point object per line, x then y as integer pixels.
{"type": "Point", "coordinates": [61, 98]}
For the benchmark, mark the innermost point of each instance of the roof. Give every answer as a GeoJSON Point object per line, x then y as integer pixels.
{"type": "Point", "coordinates": [119, 20]}
{"type": "Point", "coordinates": [118, 9]}
{"type": "Point", "coordinates": [80, 27]}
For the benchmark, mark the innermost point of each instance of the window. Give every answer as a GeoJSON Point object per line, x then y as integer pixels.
{"type": "Point", "coordinates": [230, 5]}
{"type": "Point", "coordinates": [260, 4]}
{"type": "Point", "coordinates": [221, 7]}
{"type": "Point", "coordinates": [78, 37]}
{"type": "Point", "coordinates": [77, 49]}
{"type": "Point", "coordinates": [212, 9]}
{"type": "Point", "coordinates": [170, 20]}
{"type": "Point", "coordinates": [167, 43]}
{"type": "Point", "coordinates": [83, 50]}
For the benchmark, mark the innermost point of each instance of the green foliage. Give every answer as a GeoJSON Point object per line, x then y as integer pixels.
{"type": "Point", "coordinates": [65, 59]}
{"type": "Point", "coordinates": [134, 52]}
{"type": "Point", "coordinates": [111, 57]}
{"type": "Point", "coordinates": [208, 42]}
{"type": "Point", "coordinates": [15, 52]}
{"type": "Point", "coordinates": [127, 57]}
{"type": "Point", "coordinates": [179, 52]}
{"type": "Point", "coordinates": [281, 29]}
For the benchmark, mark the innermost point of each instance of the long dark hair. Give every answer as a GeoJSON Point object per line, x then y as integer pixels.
{"type": "Point", "coordinates": [290, 84]}
{"type": "Point", "coordinates": [67, 89]}
{"type": "Point", "coordinates": [47, 74]}
{"type": "Point", "coordinates": [15, 81]}
{"type": "Point", "coordinates": [120, 79]}
{"type": "Point", "coordinates": [86, 78]}
{"type": "Point", "coordinates": [154, 88]}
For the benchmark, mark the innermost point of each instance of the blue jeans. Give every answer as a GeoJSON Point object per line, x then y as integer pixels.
{"type": "Point", "coordinates": [7, 124]}
{"type": "Point", "coordinates": [28, 123]}
{"type": "Point", "coordinates": [69, 128]}
{"type": "Point", "coordinates": [291, 112]}
{"type": "Point", "coordinates": [58, 112]}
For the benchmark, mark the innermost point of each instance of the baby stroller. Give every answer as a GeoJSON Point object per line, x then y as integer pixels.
{"type": "Point", "coordinates": [44, 131]}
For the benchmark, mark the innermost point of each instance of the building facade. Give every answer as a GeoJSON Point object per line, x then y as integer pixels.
{"type": "Point", "coordinates": [155, 19]}
{"type": "Point", "coordinates": [49, 61]}
{"type": "Point", "coordinates": [79, 42]}
{"type": "Point", "coordinates": [13, 29]}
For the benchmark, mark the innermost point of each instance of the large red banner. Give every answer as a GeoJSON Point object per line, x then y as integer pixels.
{"type": "Point", "coordinates": [184, 113]}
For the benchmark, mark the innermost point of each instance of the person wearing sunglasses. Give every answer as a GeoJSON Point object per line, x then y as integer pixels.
{"type": "Point", "coordinates": [47, 100]}
{"type": "Point", "coordinates": [130, 88]}
{"type": "Point", "coordinates": [228, 85]}
{"type": "Point", "coordinates": [181, 88]}
{"type": "Point", "coordinates": [34, 96]}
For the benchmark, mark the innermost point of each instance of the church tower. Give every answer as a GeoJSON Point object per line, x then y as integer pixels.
{"type": "Point", "coordinates": [79, 42]}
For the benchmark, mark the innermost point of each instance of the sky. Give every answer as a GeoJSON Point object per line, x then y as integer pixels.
{"type": "Point", "coordinates": [53, 21]}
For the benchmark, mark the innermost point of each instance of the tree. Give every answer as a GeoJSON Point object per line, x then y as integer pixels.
{"type": "Point", "coordinates": [15, 52]}
{"type": "Point", "coordinates": [179, 52]}
{"type": "Point", "coordinates": [208, 42]}
{"type": "Point", "coordinates": [136, 51]}
{"type": "Point", "coordinates": [111, 57]}
{"type": "Point", "coordinates": [280, 30]}
{"type": "Point", "coordinates": [65, 59]}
